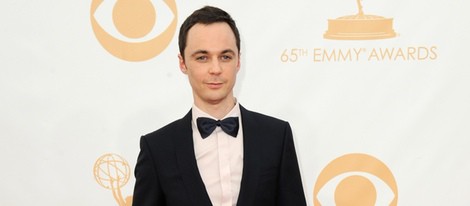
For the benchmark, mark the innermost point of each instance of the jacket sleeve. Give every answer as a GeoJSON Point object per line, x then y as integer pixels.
{"type": "Point", "coordinates": [147, 190]}
{"type": "Point", "coordinates": [291, 191]}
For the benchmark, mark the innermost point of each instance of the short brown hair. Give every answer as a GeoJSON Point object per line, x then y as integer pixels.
{"type": "Point", "coordinates": [206, 15]}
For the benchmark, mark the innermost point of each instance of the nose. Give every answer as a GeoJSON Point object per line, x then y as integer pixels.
{"type": "Point", "coordinates": [216, 67]}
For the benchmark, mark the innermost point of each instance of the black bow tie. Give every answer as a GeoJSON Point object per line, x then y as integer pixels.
{"type": "Point", "coordinates": [207, 125]}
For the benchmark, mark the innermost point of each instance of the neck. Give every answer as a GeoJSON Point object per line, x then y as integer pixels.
{"type": "Point", "coordinates": [218, 109]}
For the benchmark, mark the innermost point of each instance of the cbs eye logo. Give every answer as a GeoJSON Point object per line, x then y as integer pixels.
{"type": "Point", "coordinates": [134, 30]}
{"type": "Point", "coordinates": [355, 180]}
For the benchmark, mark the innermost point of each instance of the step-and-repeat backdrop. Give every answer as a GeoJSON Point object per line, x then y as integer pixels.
{"type": "Point", "coordinates": [377, 93]}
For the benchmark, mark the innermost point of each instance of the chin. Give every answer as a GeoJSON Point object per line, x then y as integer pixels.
{"type": "Point", "coordinates": [215, 99]}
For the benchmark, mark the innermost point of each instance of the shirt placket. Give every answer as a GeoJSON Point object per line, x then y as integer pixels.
{"type": "Point", "coordinates": [224, 166]}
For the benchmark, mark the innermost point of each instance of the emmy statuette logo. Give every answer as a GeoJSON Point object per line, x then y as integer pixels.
{"type": "Point", "coordinates": [355, 180]}
{"type": "Point", "coordinates": [131, 34]}
{"type": "Point", "coordinates": [360, 27]}
{"type": "Point", "coordinates": [112, 172]}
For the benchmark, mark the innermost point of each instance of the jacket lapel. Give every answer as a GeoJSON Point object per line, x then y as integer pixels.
{"type": "Point", "coordinates": [187, 164]}
{"type": "Point", "coordinates": [250, 175]}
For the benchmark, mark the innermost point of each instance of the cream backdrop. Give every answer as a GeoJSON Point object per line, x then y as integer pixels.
{"type": "Point", "coordinates": [390, 116]}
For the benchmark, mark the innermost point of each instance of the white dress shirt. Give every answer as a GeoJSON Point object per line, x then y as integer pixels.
{"type": "Point", "coordinates": [219, 159]}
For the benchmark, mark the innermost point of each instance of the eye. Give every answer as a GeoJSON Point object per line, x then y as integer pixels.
{"type": "Point", "coordinates": [355, 189]}
{"type": "Point", "coordinates": [226, 57]}
{"type": "Point", "coordinates": [123, 30]}
{"type": "Point", "coordinates": [202, 58]}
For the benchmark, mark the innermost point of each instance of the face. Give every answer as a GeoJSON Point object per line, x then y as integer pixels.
{"type": "Point", "coordinates": [211, 61]}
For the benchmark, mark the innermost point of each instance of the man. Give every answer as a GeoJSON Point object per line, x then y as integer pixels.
{"type": "Point", "coordinates": [244, 159]}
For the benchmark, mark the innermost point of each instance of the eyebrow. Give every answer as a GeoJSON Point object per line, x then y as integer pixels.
{"type": "Point", "coordinates": [228, 51]}
{"type": "Point", "coordinates": [207, 52]}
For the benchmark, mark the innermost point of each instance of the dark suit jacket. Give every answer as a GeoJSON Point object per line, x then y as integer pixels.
{"type": "Point", "coordinates": [167, 174]}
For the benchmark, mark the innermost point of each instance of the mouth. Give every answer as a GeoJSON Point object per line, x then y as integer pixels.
{"type": "Point", "coordinates": [214, 85]}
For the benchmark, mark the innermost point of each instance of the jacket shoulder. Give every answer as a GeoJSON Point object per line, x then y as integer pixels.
{"type": "Point", "coordinates": [261, 118]}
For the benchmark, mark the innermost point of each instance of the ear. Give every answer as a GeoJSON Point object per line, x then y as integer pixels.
{"type": "Point", "coordinates": [238, 63]}
{"type": "Point", "coordinates": [183, 67]}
